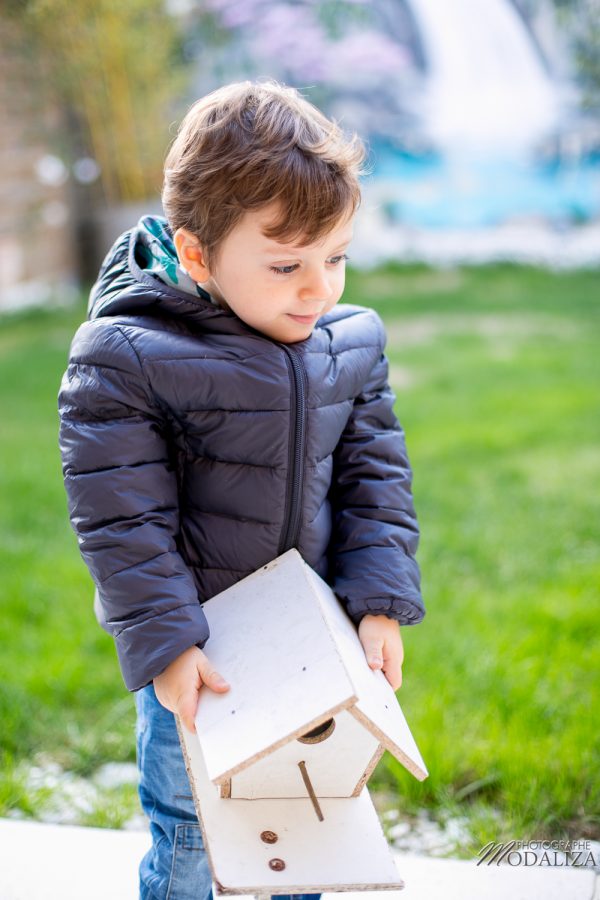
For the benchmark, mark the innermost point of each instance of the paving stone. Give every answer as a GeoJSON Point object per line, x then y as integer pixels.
{"type": "Point", "coordinates": [65, 862]}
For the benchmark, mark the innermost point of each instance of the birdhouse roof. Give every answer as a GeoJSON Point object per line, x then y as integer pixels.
{"type": "Point", "coordinates": [293, 659]}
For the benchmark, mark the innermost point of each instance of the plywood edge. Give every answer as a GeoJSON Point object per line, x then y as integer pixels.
{"type": "Point", "coordinates": [420, 773]}
{"type": "Point", "coordinates": [192, 781]}
{"type": "Point", "coordinates": [368, 771]}
{"type": "Point", "coordinates": [314, 888]}
{"type": "Point", "coordinates": [347, 704]}
{"type": "Point", "coordinates": [225, 787]}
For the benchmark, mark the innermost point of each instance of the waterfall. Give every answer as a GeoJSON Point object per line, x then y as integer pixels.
{"type": "Point", "coordinates": [486, 83]}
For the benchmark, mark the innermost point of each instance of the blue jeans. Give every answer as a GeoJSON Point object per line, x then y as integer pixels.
{"type": "Point", "coordinates": [176, 866]}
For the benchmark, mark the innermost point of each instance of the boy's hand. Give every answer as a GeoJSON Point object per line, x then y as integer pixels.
{"type": "Point", "coordinates": [178, 686]}
{"type": "Point", "coordinates": [380, 637]}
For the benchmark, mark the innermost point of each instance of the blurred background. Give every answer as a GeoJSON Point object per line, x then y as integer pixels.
{"type": "Point", "coordinates": [482, 120]}
{"type": "Point", "coordinates": [478, 241]}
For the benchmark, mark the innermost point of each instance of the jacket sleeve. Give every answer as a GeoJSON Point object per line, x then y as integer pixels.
{"type": "Point", "coordinates": [123, 503]}
{"type": "Point", "coordinates": [375, 532]}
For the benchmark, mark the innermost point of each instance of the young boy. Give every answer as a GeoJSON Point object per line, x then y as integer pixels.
{"type": "Point", "coordinates": [219, 409]}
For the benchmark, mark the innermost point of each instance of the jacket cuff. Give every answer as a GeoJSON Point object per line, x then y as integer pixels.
{"type": "Point", "coordinates": [146, 648]}
{"type": "Point", "coordinates": [404, 611]}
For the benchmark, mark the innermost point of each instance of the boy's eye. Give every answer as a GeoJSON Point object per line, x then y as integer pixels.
{"type": "Point", "coordinates": [283, 270]}
{"type": "Point", "coordinates": [287, 270]}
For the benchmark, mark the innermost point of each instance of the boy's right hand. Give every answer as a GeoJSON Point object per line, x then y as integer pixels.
{"type": "Point", "coordinates": [178, 686]}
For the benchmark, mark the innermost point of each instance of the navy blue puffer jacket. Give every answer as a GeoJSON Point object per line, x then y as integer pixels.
{"type": "Point", "coordinates": [195, 449]}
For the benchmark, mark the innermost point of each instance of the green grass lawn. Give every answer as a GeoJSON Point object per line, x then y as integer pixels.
{"type": "Point", "coordinates": [497, 375]}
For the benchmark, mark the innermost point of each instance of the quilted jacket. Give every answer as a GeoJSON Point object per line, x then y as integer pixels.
{"type": "Point", "coordinates": [195, 449]}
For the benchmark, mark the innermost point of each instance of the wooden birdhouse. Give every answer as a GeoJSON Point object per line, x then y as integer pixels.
{"type": "Point", "coordinates": [279, 763]}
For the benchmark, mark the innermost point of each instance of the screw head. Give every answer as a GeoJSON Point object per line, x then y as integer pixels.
{"type": "Point", "coordinates": [277, 865]}
{"type": "Point", "coordinates": [269, 837]}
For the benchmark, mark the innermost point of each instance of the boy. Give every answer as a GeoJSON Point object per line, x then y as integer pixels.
{"type": "Point", "coordinates": [218, 409]}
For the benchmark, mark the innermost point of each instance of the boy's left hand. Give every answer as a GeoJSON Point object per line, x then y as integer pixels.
{"type": "Point", "coordinates": [381, 641]}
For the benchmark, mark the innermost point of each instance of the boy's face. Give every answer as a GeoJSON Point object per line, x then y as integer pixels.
{"type": "Point", "coordinates": [278, 289]}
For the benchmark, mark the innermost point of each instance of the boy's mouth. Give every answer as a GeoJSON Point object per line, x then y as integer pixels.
{"type": "Point", "coordinates": [305, 320]}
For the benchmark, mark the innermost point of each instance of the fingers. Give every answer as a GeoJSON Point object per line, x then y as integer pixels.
{"type": "Point", "coordinates": [393, 657]}
{"type": "Point", "coordinates": [211, 678]}
{"type": "Point", "coordinates": [187, 703]}
{"type": "Point", "coordinates": [373, 648]}
{"type": "Point", "coordinates": [186, 708]}
{"type": "Point", "coordinates": [379, 656]}
{"type": "Point", "coordinates": [382, 644]}
{"type": "Point", "coordinates": [178, 685]}
{"type": "Point", "coordinates": [393, 672]}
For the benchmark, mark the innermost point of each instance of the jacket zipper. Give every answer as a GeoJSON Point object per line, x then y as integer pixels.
{"type": "Point", "coordinates": [291, 530]}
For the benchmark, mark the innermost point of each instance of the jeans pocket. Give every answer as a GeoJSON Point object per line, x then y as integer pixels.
{"type": "Point", "coordinates": [190, 874]}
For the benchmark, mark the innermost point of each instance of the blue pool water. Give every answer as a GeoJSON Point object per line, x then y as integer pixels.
{"type": "Point", "coordinates": [434, 191]}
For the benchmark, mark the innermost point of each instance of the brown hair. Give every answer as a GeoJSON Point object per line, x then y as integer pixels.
{"type": "Point", "coordinates": [247, 144]}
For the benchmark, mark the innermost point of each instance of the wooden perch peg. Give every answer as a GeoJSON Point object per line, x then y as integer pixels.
{"type": "Point", "coordinates": [310, 789]}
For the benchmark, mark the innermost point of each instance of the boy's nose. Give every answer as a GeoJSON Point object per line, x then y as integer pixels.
{"type": "Point", "coordinates": [317, 288]}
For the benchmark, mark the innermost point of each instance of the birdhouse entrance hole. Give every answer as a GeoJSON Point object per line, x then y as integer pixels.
{"type": "Point", "coordinates": [318, 734]}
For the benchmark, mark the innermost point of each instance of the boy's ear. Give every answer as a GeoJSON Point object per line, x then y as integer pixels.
{"type": "Point", "coordinates": [191, 256]}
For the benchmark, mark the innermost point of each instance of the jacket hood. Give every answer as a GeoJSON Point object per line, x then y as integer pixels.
{"type": "Point", "coordinates": [140, 275]}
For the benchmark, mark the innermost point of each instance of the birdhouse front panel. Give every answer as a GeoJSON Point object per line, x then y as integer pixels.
{"type": "Point", "coordinates": [333, 754]}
